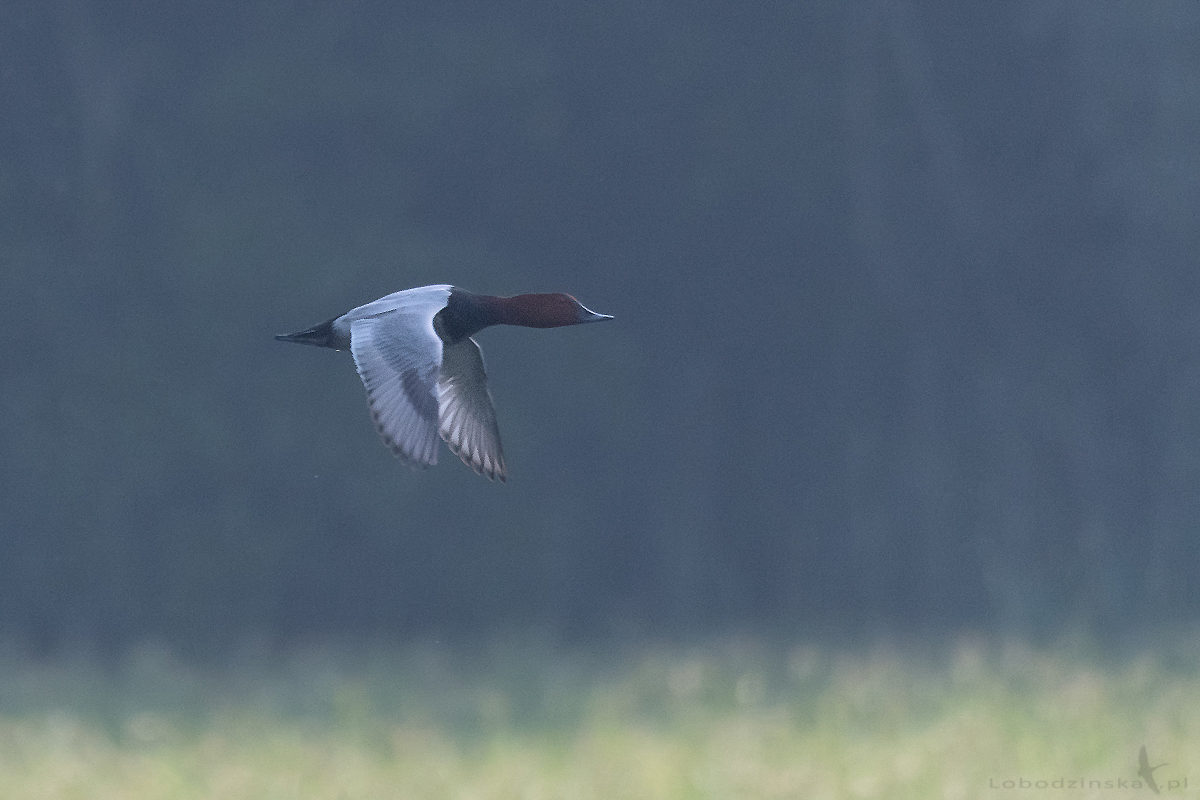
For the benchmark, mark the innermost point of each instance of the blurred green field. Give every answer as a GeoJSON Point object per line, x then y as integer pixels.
{"type": "Point", "coordinates": [733, 719]}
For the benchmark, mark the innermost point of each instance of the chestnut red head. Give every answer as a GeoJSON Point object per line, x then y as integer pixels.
{"type": "Point", "coordinates": [551, 310]}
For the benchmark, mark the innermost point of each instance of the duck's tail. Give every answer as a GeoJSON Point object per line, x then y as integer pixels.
{"type": "Point", "coordinates": [318, 336]}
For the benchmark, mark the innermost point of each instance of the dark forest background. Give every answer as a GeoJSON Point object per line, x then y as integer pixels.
{"type": "Point", "coordinates": [906, 296]}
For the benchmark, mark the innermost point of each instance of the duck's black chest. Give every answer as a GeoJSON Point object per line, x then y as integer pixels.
{"type": "Point", "coordinates": [465, 315]}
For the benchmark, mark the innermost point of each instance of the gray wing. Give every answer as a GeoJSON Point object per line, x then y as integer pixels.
{"type": "Point", "coordinates": [467, 419]}
{"type": "Point", "coordinates": [398, 356]}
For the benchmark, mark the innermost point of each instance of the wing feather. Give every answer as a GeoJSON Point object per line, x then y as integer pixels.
{"type": "Point", "coordinates": [398, 356]}
{"type": "Point", "coordinates": [466, 416]}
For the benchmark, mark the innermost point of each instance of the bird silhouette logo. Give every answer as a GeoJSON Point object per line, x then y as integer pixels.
{"type": "Point", "coordinates": [1145, 771]}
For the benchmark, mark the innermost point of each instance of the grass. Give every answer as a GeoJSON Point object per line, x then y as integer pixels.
{"type": "Point", "coordinates": [735, 719]}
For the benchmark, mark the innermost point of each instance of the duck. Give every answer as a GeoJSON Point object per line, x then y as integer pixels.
{"type": "Point", "coordinates": [423, 370]}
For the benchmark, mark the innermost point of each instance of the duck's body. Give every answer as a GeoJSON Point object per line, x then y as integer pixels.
{"type": "Point", "coordinates": [424, 373]}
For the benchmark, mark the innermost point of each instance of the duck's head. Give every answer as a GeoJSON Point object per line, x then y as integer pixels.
{"type": "Point", "coordinates": [551, 310]}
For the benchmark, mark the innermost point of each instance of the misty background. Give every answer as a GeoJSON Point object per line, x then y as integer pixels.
{"type": "Point", "coordinates": [906, 332]}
